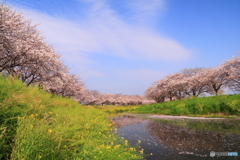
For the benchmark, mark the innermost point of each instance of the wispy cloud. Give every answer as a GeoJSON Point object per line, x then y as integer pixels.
{"type": "Point", "coordinates": [144, 11]}
{"type": "Point", "coordinates": [103, 30]}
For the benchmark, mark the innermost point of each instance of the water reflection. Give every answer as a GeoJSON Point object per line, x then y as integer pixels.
{"type": "Point", "coordinates": [126, 120]}
{"type": "Point", "coordinates": [179, 139]}
{"type": "Point", "coordinates": [193, 141]}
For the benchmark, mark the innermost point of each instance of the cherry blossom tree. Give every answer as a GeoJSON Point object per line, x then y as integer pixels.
{"type": "Point", "coordinates": [115, 99]}
{"type": "Point", "coordinates": [188, 82]}
{"type": "Point", "coordinates": [232, 66]}
{"type": "Point", "coordinates": [215, 78]}
{"type": "Point", "coordinates": [194, 85]}
{"type": "Point", "coordinates": [24, 54]}
{"type": "Point", "coordinates": [153, 93]}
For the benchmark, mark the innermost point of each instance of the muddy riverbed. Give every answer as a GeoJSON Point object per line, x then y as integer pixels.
{"type": "Point", "coordinates": [180, 138]}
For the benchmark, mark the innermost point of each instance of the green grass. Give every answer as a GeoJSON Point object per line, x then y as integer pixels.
{"type": "Point", "coordinates": [38, 125]}
{"type": "Point", "coordinates": [112, 109]}
{"type": "Point", "coordinates": [215, 106]}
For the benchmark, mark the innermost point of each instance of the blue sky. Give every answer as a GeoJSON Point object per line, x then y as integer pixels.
{"type": "Point", "coordinates": [123, 46]}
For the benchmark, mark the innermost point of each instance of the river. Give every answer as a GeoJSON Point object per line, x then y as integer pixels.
{"type": "Point", "coordinates": [180, 138]}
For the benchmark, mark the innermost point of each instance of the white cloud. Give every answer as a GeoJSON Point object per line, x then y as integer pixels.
{"type": "Point", "coordinates": [144, 10]}
{"type": "Point", "coordinates": [104, 32]}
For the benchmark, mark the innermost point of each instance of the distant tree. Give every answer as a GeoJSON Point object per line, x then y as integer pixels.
{"type": "Point", "coordinates": [154, 94]}
{"type": "Point", "coordinates": [232, 66]}
{"type": "Point", "coordinates": [176, 86]}
{"type": "Point", "coordinates": [215, 79]}
{"type": "Point", "coordinates": [194, 85]}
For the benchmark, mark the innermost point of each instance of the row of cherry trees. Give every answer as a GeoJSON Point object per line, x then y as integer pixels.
{"type": "Point", "coordinates": [25, 54]}
{"type": "Point", "coordinates": [94, 97]}
{"type": "Point", "coordinates": [197, 81]}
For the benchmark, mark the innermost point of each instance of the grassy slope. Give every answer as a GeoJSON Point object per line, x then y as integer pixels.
{"type": "Point", "coordinates": [215, 106]}
{"type": "Point", "coordinates": [38, 125]}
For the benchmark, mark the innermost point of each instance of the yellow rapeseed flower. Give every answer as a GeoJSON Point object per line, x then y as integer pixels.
{"type": "Point", "coordinates": [117, 146]}
{"type": "Point", "coordinates": [50, 131]}
{"type": "Point", "coordinates": [39, 156]}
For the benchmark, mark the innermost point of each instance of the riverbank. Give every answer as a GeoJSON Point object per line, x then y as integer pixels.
{"type": "Point", "coordinates": [223, 106]}
{"type": "Point", "coordinates": [168, 116]}
{"type": "Point", "coordinates": [38, 125]}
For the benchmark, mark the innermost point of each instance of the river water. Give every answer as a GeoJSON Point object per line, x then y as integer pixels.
{"type": "Point", "coordinates": [167, 138]}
